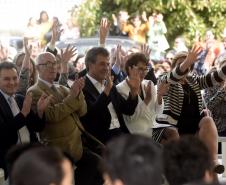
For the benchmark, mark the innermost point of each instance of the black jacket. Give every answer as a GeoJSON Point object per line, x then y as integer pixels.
{"type": "Point", "coordinates": [98, 118]}
{"type": "Point", "coordinates": [9, 126]}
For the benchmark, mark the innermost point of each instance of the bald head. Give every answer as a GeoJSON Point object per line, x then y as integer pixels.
{"type": "Point", "coordinates": [42, 58]}
{"type": "Point", "coordinates": [46, 66]}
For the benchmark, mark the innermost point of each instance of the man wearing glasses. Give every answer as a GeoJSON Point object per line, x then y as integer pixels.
{"type": "Point", "coordinates": [63, 128]}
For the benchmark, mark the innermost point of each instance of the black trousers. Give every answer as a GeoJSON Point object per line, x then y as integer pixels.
{"type": "Point", "coordinates": [88, 169]}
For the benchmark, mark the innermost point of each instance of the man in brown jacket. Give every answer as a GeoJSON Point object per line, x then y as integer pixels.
{"type": "Point", "coordinates": [63, 128]}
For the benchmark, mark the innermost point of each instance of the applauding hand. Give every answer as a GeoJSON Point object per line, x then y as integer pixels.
{"type": "Point", "coordinates": [108, 83]}
{"type": "Point", "coordinates": [148, 93]}
{"type": "Point", "coordinates": [134, 81]}
{"type": "Point", "coordinates": [42, 103]}
{"type": "Point", "coordinates": [27, 104]}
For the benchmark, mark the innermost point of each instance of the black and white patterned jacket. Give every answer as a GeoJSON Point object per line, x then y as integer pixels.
{"type": "Point", "coordinates": [173, 101]}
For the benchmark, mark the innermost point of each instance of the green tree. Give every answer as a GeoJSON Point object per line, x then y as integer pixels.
{"type": "Point", "coordinates": [88, 16]}
{"type": "Point", "coordinates": [182, 17]}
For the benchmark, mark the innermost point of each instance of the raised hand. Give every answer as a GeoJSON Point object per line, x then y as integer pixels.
{"type": "Point", "coordinates": [81, 83]}
{"type": "Point", "coordinates": [145, 50]}
{"type": "Point", "coordinates": [77, 87]}
{"type": "Point", "coordinates": [134, 81]}
{"type": "Point", "coordinates": [121, 57]}
{"type": "Point", "coordinates": [144, 16]}
{"type": "Point", "coordinates": [28, 50]}
{"type": "Point", "coordinates": [27, 104]}
{"type": "Point", "coordinates": [56, 32]}
{"type": "Point", "coordinates": [148, 93]}
{"type": "Point", "coordinates": [3, 52]}
{"type": "Point", "coordinates": [118, 56]}
{"type": "Point", "coordinates": [162, 89]}
{"type": "Point", "coordinates": [191, 57]}
{"type": "Point", "coordinates": [104, 29]}
{"type": "Point", "coordinates": [67, 54]}
{"type": "Point", "coordinates": [114, 18]}
{"type": "Point", "coordinates": [193, 54]}
{"type": "Point", "coordinates": [42, 103]}
{"type": "Point", "coordinates": [108, 83]}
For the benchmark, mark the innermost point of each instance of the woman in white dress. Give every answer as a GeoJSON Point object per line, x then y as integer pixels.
{"type": "Point", "coordinates": [149, 101]}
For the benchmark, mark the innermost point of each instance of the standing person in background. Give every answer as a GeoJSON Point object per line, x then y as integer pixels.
{"type": "Point", "coordinates": [117, 28]}
{"type": "Point", "coordinates": [179, 45]}
{"type": "Point", "coordinates": [70, 30]}
{"type": "Point", "coordinates": [213, 49]}
{"type": "Point", "coordinates": [32, 29]}
{"type": "Point", "coordinates": [224, 38]}
{"type": "Point", "coordinates": [44, 27]}
{"type": "Point", "coordinates": [157, 40]}
{"type": "Point", "coordinates": [137, 30]}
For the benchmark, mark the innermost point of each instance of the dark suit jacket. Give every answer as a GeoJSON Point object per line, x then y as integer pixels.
{"type": "Point", "coordinates": [98, 118]}
{"type": "Point", "coordinates": [10, 125]}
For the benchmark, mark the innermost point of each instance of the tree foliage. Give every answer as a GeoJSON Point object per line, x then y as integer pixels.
{"type": "Point", "coordinates": [87, 16]}
{"type": "Point", "coordinates": [182, 17]}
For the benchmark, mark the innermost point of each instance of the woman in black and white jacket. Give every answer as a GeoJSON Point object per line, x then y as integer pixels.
{"type": "Point", "coordinates": [183, 107]}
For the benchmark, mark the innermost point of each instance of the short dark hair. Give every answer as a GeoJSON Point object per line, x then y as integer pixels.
{"type": "Point", "coordinates": [7, 65]}
{"type": "Point", "coordinates": [37, 166]}
{"type": "Point", "coordinates": [134, 59]}
{"type": "Point", "coordinates": [91, 55]}
{"type": "Point", "coordinates": [186, 160]}
{"type": "Point", "coordinates": [17, 150]}
{"type": "Point", "coordinates": [133, 159]}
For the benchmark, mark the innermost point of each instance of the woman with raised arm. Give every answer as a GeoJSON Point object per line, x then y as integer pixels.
{"type": "Point", "coordinates": [183, 108]}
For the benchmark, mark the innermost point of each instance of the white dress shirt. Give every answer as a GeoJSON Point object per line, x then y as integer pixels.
{"type": "Point", "coordinates": [23, 133]}
{"type": "Point", "coordinates": [100, 88]}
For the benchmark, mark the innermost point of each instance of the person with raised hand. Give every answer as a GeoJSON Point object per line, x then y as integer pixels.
{"type": "Point", "coordinates": [62, 126]}
{"type": "Point", "coordinates": [146, 50]}
{"type": "Point", "coordinates": [63, 58]}
{"type": "Point", "coordinates": [18, 123]}
{"type": "Point", "coordinates": [118, 69]}
{"type": "Point", "coordinates": [104, 30]}
{"type": "Point", "coordinates": [105, 105]}
{"type": "Point", "coordinates": [149, 102]}
{"type": "Point", "coordinates": [183, 108]}
{"type": "Point", "coordinates": [26, 67]}
{"type": "Point", "coordinates": [64, 63]}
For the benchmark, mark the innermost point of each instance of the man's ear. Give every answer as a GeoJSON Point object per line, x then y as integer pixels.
{"type": "Point", "coordinates": [108, 181]}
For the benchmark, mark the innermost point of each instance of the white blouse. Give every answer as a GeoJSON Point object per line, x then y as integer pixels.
{"type": "Point", "coordinates": [143, 119]}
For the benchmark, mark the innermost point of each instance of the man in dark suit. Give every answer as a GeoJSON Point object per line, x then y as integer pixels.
{"type": "Point", "coordinates": [105, 105]}
{"type": "Point", "coordinates": [17, 123]}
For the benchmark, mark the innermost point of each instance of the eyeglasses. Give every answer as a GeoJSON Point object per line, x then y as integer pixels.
{"type": "Point", "coordinates": [143, 70]}
{"type": "Point", "coordinates": [49, 64]}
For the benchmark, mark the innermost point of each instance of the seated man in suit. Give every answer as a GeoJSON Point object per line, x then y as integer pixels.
{"type": "Point", "coordinates": [63, 128]}
{"type": "Point", "coordinates": [105, 105]}
{"type": "Point", "coordinates": [17, 123]}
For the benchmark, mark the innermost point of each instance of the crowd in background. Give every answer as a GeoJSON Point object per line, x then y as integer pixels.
{"type": "Point", "coordinates": [147, 99]}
